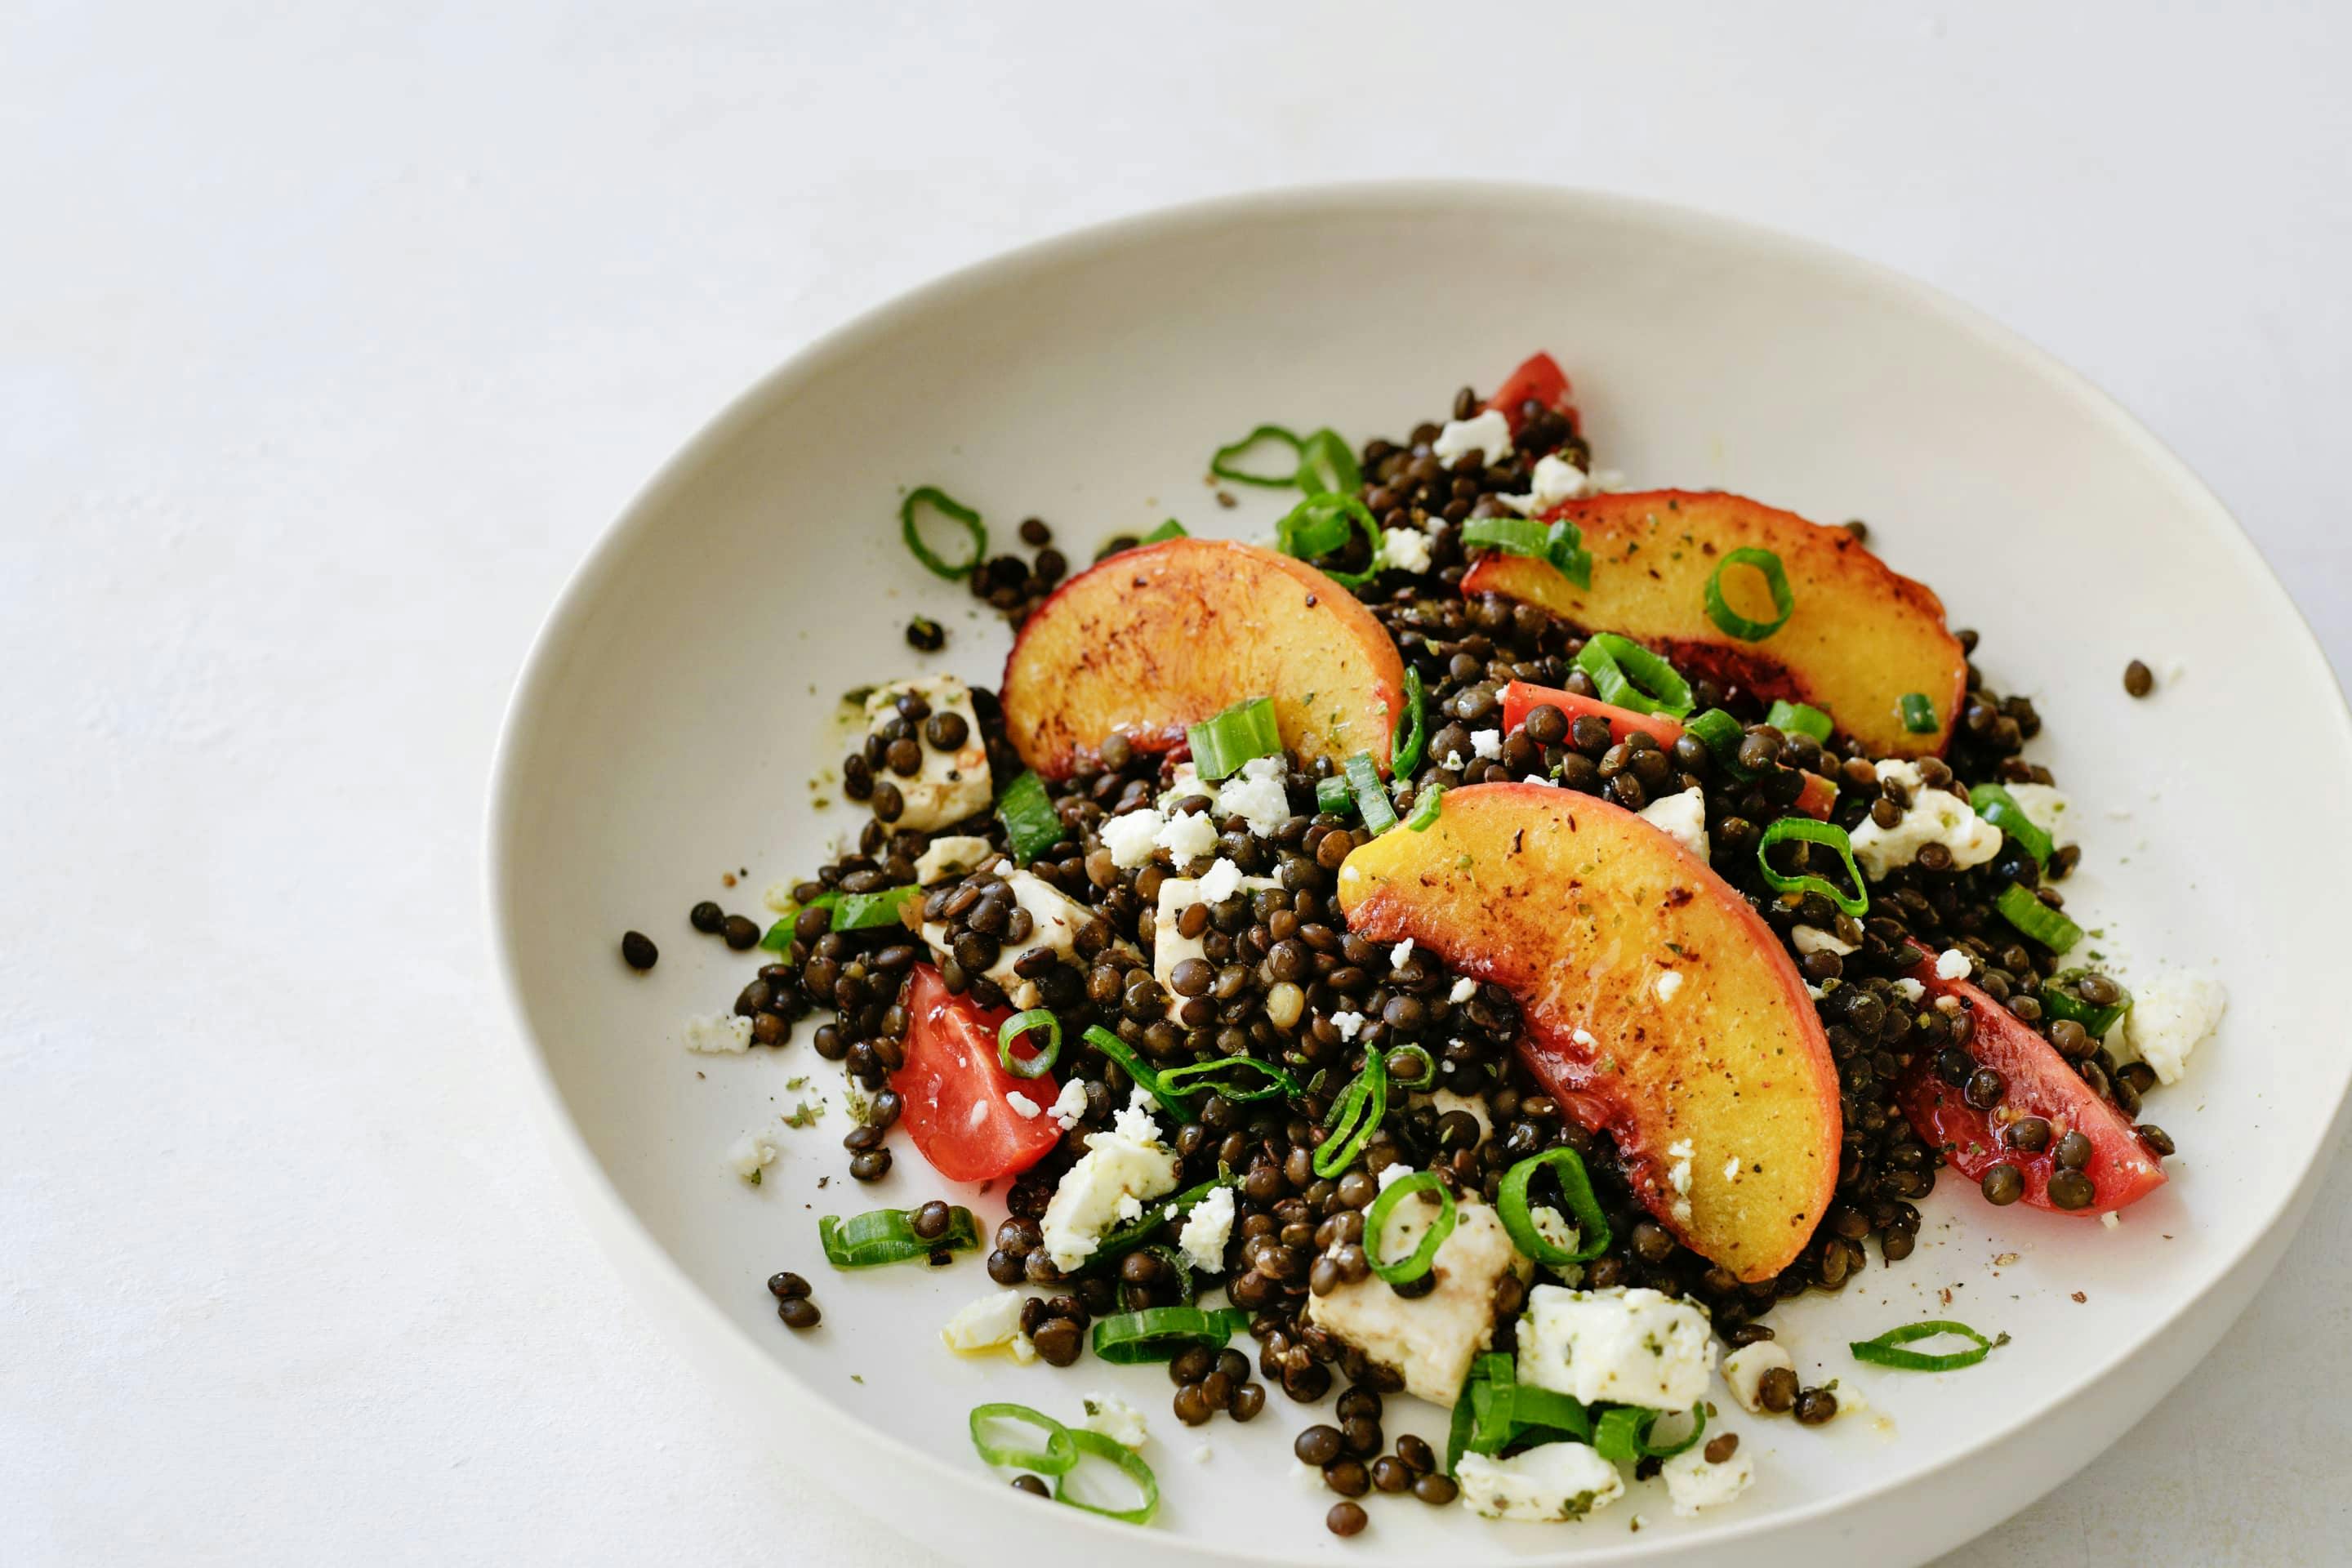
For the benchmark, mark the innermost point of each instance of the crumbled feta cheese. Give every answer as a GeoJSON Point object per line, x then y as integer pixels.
{"type": "Point", "coordinates": [1069, 1108]}
{"type": "Point", "coordinates": [1554, 1482]}
{"type": "Point", "coordinates": [1131, 836]}
{"type": "Point", "coordinates": [1206, 1230]}
{"type": "Point", "coordinates": [751, 1154]}
{"type": "Point", "coordinates": [991, 1324]}
{"type": "Point", "coordinates": [1188, 835]}
{"type": "Point", "coordinates": [1400, 954]}
{"type": "Point", "coordinates": [1624, 1346]}
{"type": "Point", "coordinates": [1138, 1103]}
{"type": "Point", "coordinates": [1445, 1102]}
{"type": "Point", "coordinates": [2045, 805]}
{"type": "Point", "coordinates": [1202, 1455]}
{"type": "Point", "coordinates": [719, 1033]}
{"type": "Point", "coordinates": [1170, 947]}
{"type": "Point", "coordinates": [1935, 817]}
{"type": "Point", "coordinates": [1581, 1037]}
{"type": "Point", "coordinates": [1109, 1415]}
{"type": "Point", "coordinates": [1259, 795]}
{"type": "Point", "coordinates": [1488, 434]}
{"type": "Point", "coordinates": [1463, 989]}
{"type": "Point", "coordinates": [1951, 965]}
{"type": "Point", "coordinates": [1220, 882]}
{"type": "Point", "coordinates": [1487, 744]}
{"type": "Point", "coordinates": [1054, 918]}
{"type": "Point", "coordinates": [2170, 1016]}
{"type": "Point", "coordinates": [1184, 782]}
{"type": "Point", "coordinates": [1678, 1174]}
{"type": "Point", "coordinates": [1744, 1370]}
{"type": "Point", "coordinates": [1392, 1174]}
{"type": "Point", "coordinates": [1810, 940]}
{"type": "Point", "coordinates": [1428, 1339]}
{"type": "Point", "coordinates": [1668, 984]}
{"type": "Point", "coordinates": [978, 1115]}
{"type": "Point", "coordinates": [1403, 550]}
{"type": "Point", "coordinates": [1131, 1209]}
{"type": "Point", "coordinates": [1349, 1024]}
{"type": "Point", "coordinates": [1696, 1485]}
{"type": "Point", "coordinates": [1124, 1164]}
{"type": "Point", "coordinates": [1024, 1107]}
{"type": "Point", "coordinates": [1910, 990]}
{"type": "Point", "coordinates": [1453, 763]}
{"type": "Point", "coordinates": [1681, 816]}
{"type": "Point", "coordinates": [1731, 1168]}
{"type": "Point", "coordinates": [2112, 1220]}
{"type": "Point", "coordinates": [950, 785]}
{"type": "Point", "coordinates": [1555, 480]}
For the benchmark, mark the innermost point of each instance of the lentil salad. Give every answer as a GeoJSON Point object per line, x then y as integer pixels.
{"type": "Point", "coordinates": [1129, 984]}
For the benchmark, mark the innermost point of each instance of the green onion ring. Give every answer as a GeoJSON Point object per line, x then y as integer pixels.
{"type": "Point", "coordinates": [1020, 1024]}
{"type": "Point", "coordinates": [1102, 1447]}
{"type": "Point", "coordinates": [1414, 739]}
{"type": "Point", "coordinates": [1493, 1399]}
{"type": "Point", "coordinates": [1425, 807]}
{"type": "Point", "coordinates": [1458, 1429]}
{"type": "Point", "coordinates": [2059, 1002]}
{"type": "Point", "coordinates": [1061, 1452]}
{"type": "Point", "coordinates": [1564, 548]}
{"type": "Point", "coordinates": [946, 506]}
{"type": "Point", "coordinates": [1333, 795]}
{"type": "Point", "coordinates": [1999, 808]}
{"type": "Point", "coordinates": [1326, 465]}
{"type": "Point", "coordinates": [1575, 1189]}
{"type": "Point", "coordinates": [1188, 1293]}
{"type": "Point", "coordinates": [1318, 525]}
{"type": "Point", "coordinates": [2037, 920]}
{"type": "Point", "coordinates": [1721, 734]}
{"type": "Point", "coordinates": [1241, 733]}
{"type": "Point", "coordinates": [1354, 1117]}
{"type": "Point", "coordinates": [1406, 1269]}
{"type": "Point", "coordinates": [1801, 719]}
{"type": "Point", "coordinates": [1776, 578]}
{"type": "Point", "coordinates": [1884, 1352]}
{"type": "Point", "coordinates": [1136, 1231]}
{"type": "Point", "coordinates": [1158, 1333]}
{"type": "Point", "coordinates": [1278, 1082]}
{"type": "Point", "coordinates": [1222, 463]}
{"type": "Point", "coordinates": [1621, 1433]}
{"type": "Point", "coordinates": [1918, 713]}
{"type": "Point", "coordinates": [1425, 1078]}
{"type": "Point", "coordinates": [1616, 663]}
{"type": "Point", "coordinates": [1372, 795]}
{"type": "Point", "coordinates": [1829, 835]}
{"type": "Point", "coordinates": [888, 1236]}
{"type": "Point", "coordinates": [1141, 1071]}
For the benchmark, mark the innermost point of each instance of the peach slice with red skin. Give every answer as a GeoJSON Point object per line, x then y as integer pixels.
{"type": "Point", "coordinates": [1859, 638]}
{"type": "Point", "coordinates": [1156, 639]}
{"type": "Point", "coordinates": [1657, 1004]}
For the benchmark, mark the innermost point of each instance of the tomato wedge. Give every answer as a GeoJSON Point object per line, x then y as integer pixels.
{"type": "Point", "coordinates": [1519, 700]}
{"type": "Point", "coordinates": [1819, 797]}
{"type": "Point", "coordinates": [955, 1090]}
{"type": "Point", "coordinates": [1540, 378]}
{"type": "Point", "coordinates": [2041, 1083]}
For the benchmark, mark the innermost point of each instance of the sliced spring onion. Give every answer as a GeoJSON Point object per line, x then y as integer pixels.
{"type": "Point", "coordinates": [1140, 1230]}
{"type": "Point", "coordinates": [1241, 733]}
{"type": "Point", "coordinates": [1621, 1433]}
{"type": "Point", "coordinates": [1372, 795]}
{"type": "Point", "coordinates": [946, 506]}
{"type": "Point", "coordinates": [1919, 713]}
{"type": "Point", "coordinates": [1827, 834]}
{"type": "Point", "coordinates": [1179, 1270]}
{"type": "Point", "coordinates": [1464, 1423]}
{"type": "Point", "coordinates": [1326, 465]}
{"type": "Point", "coordinates": [1730, 621]}
{"type": "Point", "coordinates": [888, 1236]}
{"type": "Point", "coordinates": [1142, 1072]}
{"type": "Point", "coordinates": [1171, 529]}
{"type": "Point", "coordinates": [1415, 737]}
{"type": "Point", "coordinates": [1999, 808]}
{"type": "Point", "coordinates": [1512, 1209]}
{"type": "Point", "coordinates": [2037, 920]}
{"type": "Point", "coordinates": [1020, 1024]}
{"type": "Point", "coordinates": [1617, 664]}
{"type": "Point", "coordinates": [1159, 1333]}
{"type": "Point", "coordinates": [780, 935]}
{"type": "Point", "coordinates": [1543, 1410]}
{"type": "Point", "coordinates": [1494, 1398]}
{"type": "Point", "coordinates": [1560, 542]}
{"type": "Point", "coordinates": [1425, 807]}
{"type": "Point", "coordinates": [1058, 1457]}
{"type": "Point", "coordinates": [1273, 1080]}
{"type": "Point", "coordinates": [865, 912]}
{"type": "Point", "coordinates": [1801, 718]}
{"type": "Point", "coordinates": [1334, 795]}
{"type": "Point", "coordinates": [1319, 525]}
{"type": "Point", "coordinates": [1029, 818]}
{"type": "Point", "coordinates": [1424, 1065]}
{"type": "Point", "coordinates": [1223, 463]}
{"type": "Point", "coordinates": [1885, 1351]}
{"type": "Point", "coordinates": [1406, 1269]}
{"type": "Point", "coordinates": [1147, 1485]}
{"type": "Point", "coordinates": [1721, 734]}
{"type": "Point", "coordinates": [1354, 1117]}
{"type": "Point", "coordinates": [2059, 1000]}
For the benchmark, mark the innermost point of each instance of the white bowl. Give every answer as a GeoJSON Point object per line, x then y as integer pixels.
{"type": "Point", "coordinates": [682, 697]}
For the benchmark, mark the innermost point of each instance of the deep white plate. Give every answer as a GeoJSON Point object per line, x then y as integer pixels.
{"type": "Point", "coordinates": [682, 699]}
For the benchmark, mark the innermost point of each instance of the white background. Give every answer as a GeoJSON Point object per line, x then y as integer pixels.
{"type": "Point", "coordinates": [331, 334]}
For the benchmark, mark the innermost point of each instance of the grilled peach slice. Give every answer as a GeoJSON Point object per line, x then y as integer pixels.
{"type": "Point", "coordinates": [1156, 639]}
{"type": "Point", "coordinates": [1657, 1005]}
{"type": "Point", "coordinates": [1858, 640]}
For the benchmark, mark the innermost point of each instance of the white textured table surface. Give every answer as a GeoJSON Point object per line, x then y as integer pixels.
{"type": "Point", "coordinates": [331, 335]}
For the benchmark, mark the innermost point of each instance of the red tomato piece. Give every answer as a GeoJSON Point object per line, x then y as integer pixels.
{"type": "Point", "coordinates": [1519, 700]}
{"type": "Point", "coordinates": [955, 1089]}
{"type": "Point", "coordinates": [1540, 379]}
{"type": "Point", "coordinates": [2041, 1083]}
{"type": "Point", "coordinates": [1819, 797]}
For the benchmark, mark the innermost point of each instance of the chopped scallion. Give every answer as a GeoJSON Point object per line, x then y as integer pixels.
{"type": "Point", "coordinates": [1142, 1072]}
{"type": "Point", "coordinates": [1326, 465]}
{"type": "Point", "coordinates": [1246, 731]}
{"type": "Point", "coordinates": [2059, 1000]}
{"type": "Point", "coordinates": [888, 1236]}
{"type": "Point", "coordinates": [2000, 808]}
{"type": "Point", "coordinates": [1830, 837]}
{"type": "Point", "coordinates": [1159, 1333]}
{"type": "Point", "coordinates": [1560, 542]}
{"type": "Point", "coordinates": [1919, 713]}
{"type": "Point", "coordinates": [1354, 1117]}
{"type": "Point", "coordinates": [1511, 1206]}
{"type": "Point", "coordinates": [1136, 1231]}
{"type": "Point", "coordinates": [1621, 1433]}
{"type": "Point", "coordinates": [1333, 795]}
{"type": "Point", "coordinates": [1372, 795]}
{"type": "Point", "coordinates": [1273, 1080]}
{"type": "Point", "coordinates": [1132, 1464]}
{"type": "Point", "coordinates": [1171, 529]}
{"type": "Point", "coordinates": [1319, 525]}
{"type": "Point", "coordinates": [1801, 719]}
{"type": "Point", "coordinates": [1776, 578]}
{"type": "Point", "coordinates": [1630, 676]}
{"type": "Point", "coordinates": [2037, 920]}
{"type": "Point", "coordinates": [1721, 734]}
{"type": "Point", "coordinates": [866, 911]}
{"type": "Point", "coordinates": [1040, 1062]}
{"type": "Point", "coordinates": [1059, 1455]}
{"type": "Point", "coordinates": [946, 506]}
{"type": "Point", "coordinates": [1425, 807]}
{"type": "Point", "coordinates": [1412, 739]}
{"type": "Point", "coordinates": [1406, 1269]}
{"type": "Point", "coordinates": [1031, 823]}
{"type": "Point", "coordinates": [1885, 1350]}
{"type": "Point", "coordinates": [1223, 463]}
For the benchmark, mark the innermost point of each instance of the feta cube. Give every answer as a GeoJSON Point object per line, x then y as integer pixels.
{"type": "Point", "coordinates": [1115, 1419]}
{"type": "Point", "coordinates": [1471, 1105]}
{"type": "Point", "coordinates": [991, 1324]}
{"type": "Point", "coordinates": [719, 1033]}
{"type": "Point", "coordinates": [950, 785]}
{"type": "Point", "coordinates": [2170, 1016]}
{"type": "Point", "coordinates": [1120, 1165]}
{"type": "Point", "coordinates": [1696, 1485]}
{"type": "Point", "coordinates": [1934, 816]}
{"type": "Point", "coordinates": [1623, 1346]}
{"type": "Point", "coordinates": [1488, 434]}
{"type": "Point", "coordinates": [1681, 818]}
{"type": "Point", "coordinates": [1429, 1339]}
{"type": "Point", "coordinates": [1131, 836]}
{"type": "Point", "coordinates": [1555, 1482]}
{"type": "Point", "coordinates": [1744, 1370]}
{"type": "Point", "coordinates": [953, 855]}
{"type": "Point", "coordinates": [1206, 1231]}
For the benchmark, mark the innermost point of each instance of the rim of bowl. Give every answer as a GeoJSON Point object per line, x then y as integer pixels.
{"type": "Point", "coordinates": [542, 669]}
